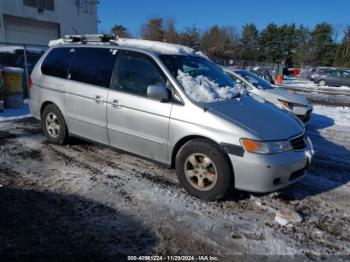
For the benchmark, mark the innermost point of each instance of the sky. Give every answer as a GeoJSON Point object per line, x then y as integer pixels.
{"type": "Point", "coordinates": [205, 13]}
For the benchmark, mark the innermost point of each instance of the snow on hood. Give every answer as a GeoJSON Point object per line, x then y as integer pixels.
{"type": "Point", "coordinates": [159, 47]}
{"type": "Point", "coordinates": [202, 89]}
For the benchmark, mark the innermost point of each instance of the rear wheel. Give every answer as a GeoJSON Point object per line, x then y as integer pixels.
{"type": "Point", "coordinates": [54, 125]}
{"type": "Point", "coordinates": [204, 170]}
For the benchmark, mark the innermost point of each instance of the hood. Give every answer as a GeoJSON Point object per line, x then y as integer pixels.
{"type": "Point", "coordinates": [283, 94]}
{"type": "Point", "coordinates": [262, 119]}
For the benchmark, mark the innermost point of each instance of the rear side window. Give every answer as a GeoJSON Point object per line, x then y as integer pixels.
{"type": "Point", "coordinates": [93, 66]}
{"type": "Point", "coordinates": [57, 62]}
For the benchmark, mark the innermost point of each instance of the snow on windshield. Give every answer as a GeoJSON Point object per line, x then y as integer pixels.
{"type": "Point", "coordinates": [201, 89]}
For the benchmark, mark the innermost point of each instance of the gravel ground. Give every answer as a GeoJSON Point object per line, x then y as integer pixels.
{"type": "Point", "coordinates": [93, 202]}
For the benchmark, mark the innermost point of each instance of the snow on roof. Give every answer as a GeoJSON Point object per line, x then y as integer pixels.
{"type": "Point", "coordinates": [155, 46]}
{"type": "Point", "coordinates": [56, 42]}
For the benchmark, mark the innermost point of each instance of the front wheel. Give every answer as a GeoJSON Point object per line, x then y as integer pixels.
{"type": "Point", "coordinates": [322, 83]}
{"type": "Point", "coordinates": [204, 170]}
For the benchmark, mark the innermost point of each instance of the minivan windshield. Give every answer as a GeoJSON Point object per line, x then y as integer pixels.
{"type": "Point", "coordinates": [256, 81]}
{"type": "Point", "coordinates": [201, 79]}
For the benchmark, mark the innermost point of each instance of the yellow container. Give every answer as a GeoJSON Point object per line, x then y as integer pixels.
{"type": "Point", "coordinates": [13, 78]}
{"type": "Point", "coordinates": [2, 89]}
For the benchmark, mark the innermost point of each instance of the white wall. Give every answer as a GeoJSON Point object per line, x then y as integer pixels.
{"type": "Point", "coordinates": [65, 14]}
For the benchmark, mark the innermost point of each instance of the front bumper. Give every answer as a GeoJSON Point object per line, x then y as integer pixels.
{"type": "Point", "coordinates": [268, 173]}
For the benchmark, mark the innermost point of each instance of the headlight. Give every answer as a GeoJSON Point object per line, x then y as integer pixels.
{"type": "Point", "coordinates": [279, 146]}
{"type": "Point", "coordinates": [265, 147]}
{"type": "Point", "coordinates": [285, 103]}
{"type": "Point", "coordinates": [290, 105]}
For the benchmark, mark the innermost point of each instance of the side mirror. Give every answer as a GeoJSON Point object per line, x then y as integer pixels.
{"type": "Point", "coordinates": [160, 93]}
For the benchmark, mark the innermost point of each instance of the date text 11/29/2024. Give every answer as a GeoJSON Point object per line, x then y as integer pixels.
{"type": "Point", "coordinates": [173, 258]}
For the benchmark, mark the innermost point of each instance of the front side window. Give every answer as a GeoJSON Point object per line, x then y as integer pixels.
{"type": "Point", "coordinates": [137, 72]}
{"type": "Point", "coordinates": [57, 62]}
{"type": "Point", "coordinates": [93, 66]}
{"type": "Point", "coordinates": [335, 73]}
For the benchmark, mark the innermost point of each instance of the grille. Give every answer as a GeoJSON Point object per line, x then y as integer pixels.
{"type": "Point", "coordinates": [298, 143]}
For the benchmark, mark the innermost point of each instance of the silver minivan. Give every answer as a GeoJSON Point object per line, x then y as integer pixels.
{"type": "Point", "coordinates": [167, 103]}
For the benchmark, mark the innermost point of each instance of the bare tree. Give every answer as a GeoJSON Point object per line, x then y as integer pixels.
{"type": "Point", "coordinates": [120, 31]}
{"type": "Point", "coordinates": [170, 34]}
{"type": "Point", "coordinates": [153, 29]}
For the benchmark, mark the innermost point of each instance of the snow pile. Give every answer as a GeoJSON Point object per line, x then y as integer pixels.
{"type": "Point", "coordinates": [160, 47]}
{"type": "Point", "coordinates": [287, 216]}
{"type": "Point", "coordinates": [11, 114]}
{"type": "Point", "coordinates": [307, 84]}
{"type": "Point", "coordinates": [10, 49]}
{"type": "Point", "coordinates": [13, 49]}
{"type": "Point", "coordinates": [201, 89]}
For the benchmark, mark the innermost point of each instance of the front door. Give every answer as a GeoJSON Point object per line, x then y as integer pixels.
{"type": "Point", "coordinates": [136, 123]}
{"type": "Point", "coordinates": [87, 91]}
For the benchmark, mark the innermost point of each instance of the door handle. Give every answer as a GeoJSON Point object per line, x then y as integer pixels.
{"type": "Point", "coordinates": [99, 99]}
{"type": "Point", "coordinates": [116, 103]}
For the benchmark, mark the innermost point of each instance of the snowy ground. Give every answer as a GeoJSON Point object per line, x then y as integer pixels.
{"type": "Point", "coordinates": [10, 114]}
{"type": "Point", "coordinates": [327, 95]}
{"type": "Point", "coordinates": [87, 198]}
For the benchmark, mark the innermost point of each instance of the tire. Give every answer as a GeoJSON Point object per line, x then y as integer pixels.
{"type": "Point", "coordinates": [200, 182]}
{"type": "Point", "coordinates": [54, 125]}
{"type": "Point", "coordinates": [322, 83]}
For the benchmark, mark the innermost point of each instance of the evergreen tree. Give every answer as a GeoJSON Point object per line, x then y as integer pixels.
{"type": "Point", "coordinates": [302, 55]}
{"type": "Point", "coordinates": [219, 42]}
{"type": "Point", "coordinates": [343, 50]}
{"type": "Point", "coordinates": [269, 44]}
{"type": "Point", "coordinates": [190, 37]}
{"type": "Point", "coordinates": [249, 42]}
{"type": "Point", "coordinates": [322, 46]}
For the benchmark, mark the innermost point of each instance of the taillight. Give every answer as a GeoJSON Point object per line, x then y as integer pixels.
{"type": "Point", "coordinates": [30, 83]}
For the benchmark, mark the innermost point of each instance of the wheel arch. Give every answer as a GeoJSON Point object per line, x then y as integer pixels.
{"type": "Point", "coordinates": [186, 139]}
{"type": "Point", "coordinates": [48, 102]}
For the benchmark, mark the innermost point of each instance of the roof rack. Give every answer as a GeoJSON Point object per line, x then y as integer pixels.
{"type": "Point", "coordinates": [104, 38]}
{"type": "Point", "coordinates": [85, 39]}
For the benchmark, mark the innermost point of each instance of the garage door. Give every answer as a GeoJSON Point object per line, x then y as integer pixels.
{"type": "Point", "coordinates": [27, 31]}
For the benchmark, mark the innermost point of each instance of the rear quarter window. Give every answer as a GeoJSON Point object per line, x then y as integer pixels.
{"type": "Point", "coordinates": [57, 62]}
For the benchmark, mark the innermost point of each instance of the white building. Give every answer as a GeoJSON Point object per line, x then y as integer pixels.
{"type": "Point", "coordinates": [39, 21]}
